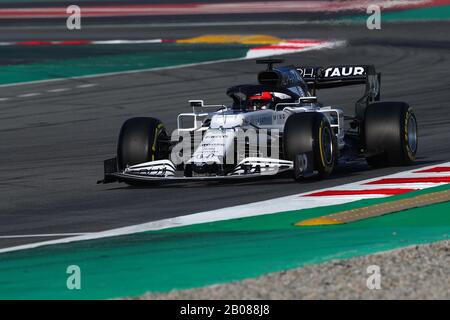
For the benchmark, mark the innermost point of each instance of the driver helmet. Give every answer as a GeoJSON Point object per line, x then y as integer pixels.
{"type": "Point", "coordinates": [260, 101]}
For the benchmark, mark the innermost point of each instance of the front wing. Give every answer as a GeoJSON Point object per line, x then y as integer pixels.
{"type": "Point", "coordinates": [163, 171]}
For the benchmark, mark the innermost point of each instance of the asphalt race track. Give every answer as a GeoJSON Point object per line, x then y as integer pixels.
{"type": "Point", "coordinates": [52, 145]}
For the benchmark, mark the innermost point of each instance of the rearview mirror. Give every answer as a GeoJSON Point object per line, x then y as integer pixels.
{"type": "Point", "coordinates": [196, 103]}
{"type": "Point", "coordinates": [308, 99]}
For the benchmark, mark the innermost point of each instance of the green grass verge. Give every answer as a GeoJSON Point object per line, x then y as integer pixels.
{"type": "Point", "coordinates": [33, 63]}
{"type": "Point", "coordinates": [420, 14]}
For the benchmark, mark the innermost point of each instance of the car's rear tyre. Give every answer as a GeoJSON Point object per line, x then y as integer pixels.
{"type": "Point", "coordinates": [310, 132]}
{"type": "Point", "coordinates": [141, 140]}
{"type": "Point", "coordinates": [390, 134]}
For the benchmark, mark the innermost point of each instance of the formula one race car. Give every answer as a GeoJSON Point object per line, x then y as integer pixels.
{"type": "Point", "coordinates": [274, 126]}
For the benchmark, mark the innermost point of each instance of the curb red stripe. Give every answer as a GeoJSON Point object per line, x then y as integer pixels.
{"type": "Point", "coordinates": [435, 169]}
{"type": "Point", "coordinates": [359, 192]}
{"type": "Point", "coordinates": [274, 47]}
{"type": "Point", "coordinates": [33, 43]}
{"type": "Point", "coordinates": [74, 42]}
{"type": "Point", "coordinates": [286, 47]}
{"type": "Point", "coordinates": [411, 180]}
{"type": "Point", "coordinates": [303, 41]}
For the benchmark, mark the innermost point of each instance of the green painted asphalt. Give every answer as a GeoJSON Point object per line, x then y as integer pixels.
{"type": "Point", "coordinates": [209, 253]}
{"type": "Point", "coordinates": [419, 14]}
{"type": "Point", "coordinates": [32, 63]}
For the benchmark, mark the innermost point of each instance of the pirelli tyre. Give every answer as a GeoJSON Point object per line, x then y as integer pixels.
{"type": "Point", "coordinates": [390, 134]}
{"type": "Point", "coordinates": [310, 133]}
{"type": "Point", "coordinates": [141, 140]}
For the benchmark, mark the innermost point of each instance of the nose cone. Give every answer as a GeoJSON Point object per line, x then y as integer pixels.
{"type": "Point", "coordinates": [206, 168]}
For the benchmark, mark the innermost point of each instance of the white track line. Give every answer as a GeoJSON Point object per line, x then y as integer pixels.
{"type": "Point", "coordinates": [87, 85]}
{"type": "Point", "coordinates": [43, 235]}
{"type": "Point", "coordinates": [255, 53]}
{"type": "Point", "coordinates": [58, 90]}
{"type": "Point", "coordinates": [34, 94]}
{"type": "Point", "coordinates": [127, 41]}
{"type": "Point", "coordinates": [81, 43]}
{"type": "Point", "coordinates": [27, 95]}
{"type": "Point", "coordinates": [288, 203]}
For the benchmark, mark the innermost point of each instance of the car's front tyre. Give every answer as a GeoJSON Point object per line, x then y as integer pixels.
{"type": "Point", "coordinates": [310, 133]}
{"type": "Point", "coordinates": [140, 140]}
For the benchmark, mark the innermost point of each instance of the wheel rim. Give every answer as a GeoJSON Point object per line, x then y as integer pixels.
{"type": "Point", "coordinates": [412, 134]}
{"type": "Point", "coordinates": [327, 145]}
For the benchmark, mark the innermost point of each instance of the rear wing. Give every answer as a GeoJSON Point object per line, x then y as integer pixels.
{"type": "Point", "coordinates": [341, 76]}
{"type": "Point", "coordinates": [337, 76]}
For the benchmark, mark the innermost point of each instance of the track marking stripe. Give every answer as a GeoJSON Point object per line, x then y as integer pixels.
{"type": "Point", "coordinates": [35, 94]}
{"type": "Point", "coordinates": [58, 90]}
{"type": "Point", "coordinates": [359, 192]}
{"type": "Point", "coordinates": [434, 169]}
{"type": "Point", "coordinates": [27, 95]}
{"type": "Point", "coordinates": [80, 42]}
{"type": "Point", "coordinates": [378, 209]}
{"type": "Point", "coordinates": [42, 235]}
{"type": "Point", "coordinates": [233, 38]}
{"type": "Point", "coordinates": [130, 41]}
{"type": "Point", "coordinates": [287, 48]}
{"type": "Point", "coordinates": [411, 180]}
{"type": "Point", "coordinates": [284, 47]}
{"type": "Point", "coordinates": [321, 221]}
{"type": "Point", "coordinates": [87, 85]}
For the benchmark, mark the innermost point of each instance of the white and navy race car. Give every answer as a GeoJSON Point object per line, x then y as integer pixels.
{"type": "Point", "coordinates": [274, 126]}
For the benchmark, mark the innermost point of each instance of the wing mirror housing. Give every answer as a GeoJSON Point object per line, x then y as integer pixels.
{"type": "Point", "coordinates": [311, 99]}
{"type": "Point", "coordinates": [196, 103]}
